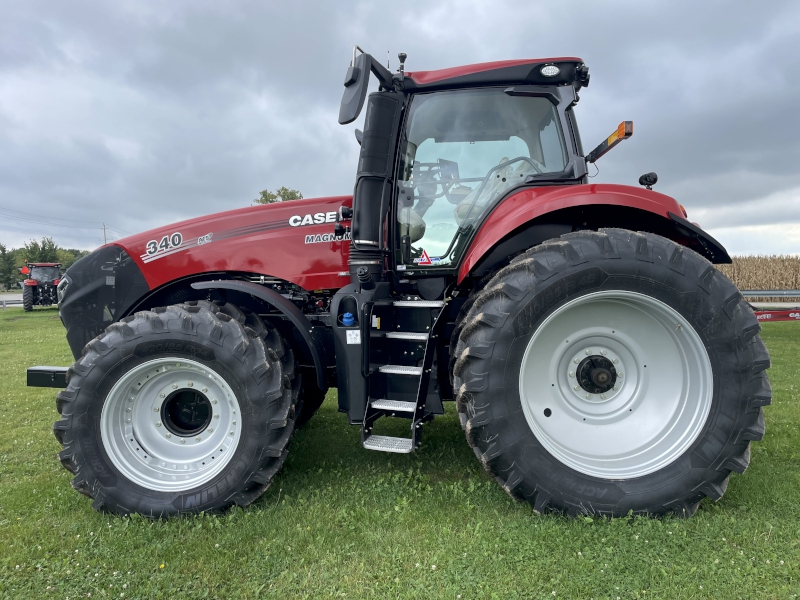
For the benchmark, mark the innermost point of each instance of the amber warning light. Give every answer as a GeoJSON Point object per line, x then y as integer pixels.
{"type": "Point", "coordinates": [623, 132]}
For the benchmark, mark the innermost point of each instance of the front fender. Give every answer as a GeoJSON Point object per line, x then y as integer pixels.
{"type": "Point", "coordinates": [287, 308]}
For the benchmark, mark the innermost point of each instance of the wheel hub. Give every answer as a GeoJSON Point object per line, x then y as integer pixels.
{"type": "Point", "coordinates": [596, 374]}
{"type": "Point", "coordinates": [186, 412]}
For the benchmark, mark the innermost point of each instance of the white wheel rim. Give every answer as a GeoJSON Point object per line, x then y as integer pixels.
{"type": "Point", "coordinates": [150, 450]}
{"type": "Point", "coordinates": [662, 394]}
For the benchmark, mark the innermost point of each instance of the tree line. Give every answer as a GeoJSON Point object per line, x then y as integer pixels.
{"type": "Point", "coordinates": [11, 259]}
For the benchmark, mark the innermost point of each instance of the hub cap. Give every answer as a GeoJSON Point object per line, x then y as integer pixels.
{"type": "Point", "coordinates": [616, 384]}
{"type": "Point", "coordinates": [170, 424]}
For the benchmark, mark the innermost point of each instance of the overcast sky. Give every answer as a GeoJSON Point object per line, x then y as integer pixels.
{"type": "Point", "coordinates": [139, 113]}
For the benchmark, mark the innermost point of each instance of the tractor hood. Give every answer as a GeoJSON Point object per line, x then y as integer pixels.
{"type": "Point", "coordinates": [290, 240]}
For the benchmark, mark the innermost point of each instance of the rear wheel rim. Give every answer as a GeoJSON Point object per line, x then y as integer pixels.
{"type": "Point", "coordinates": [170, 424]}
{"type": "Point", "coordinates": [616, 384]}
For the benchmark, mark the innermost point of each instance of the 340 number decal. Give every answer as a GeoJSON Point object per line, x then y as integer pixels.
{"type": "Point", "coordinates": [167, 243]}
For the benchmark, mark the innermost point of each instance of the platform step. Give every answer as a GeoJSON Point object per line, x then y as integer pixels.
{"type": "Point", "coordinates": [385, 443]}
{"type": "Point", "coordinates": [400, 370]}
{"type": "Point", "coordinates": [407, 335]}
{"type": "Point", "coordinates": [396, 405]}
{"type": "Point", "coordinates": [419, 303]}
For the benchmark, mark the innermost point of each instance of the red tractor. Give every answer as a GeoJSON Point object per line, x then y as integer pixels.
{"type": "Point", "coordinates": [40, 284]}
{"type": "Point", "coordinates": [599, 363]}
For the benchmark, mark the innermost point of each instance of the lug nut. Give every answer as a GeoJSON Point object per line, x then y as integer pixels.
{"type": "Point", "coordinates": [615, 361]}
{"type": "Point", "coordinates": [621, 374]}
{"type": "Point", "coordinates": [572, 373]}
{"type": "Point", "coordinates": [616, 387]}
{"type": "Point", "coordinates": [155, 409]}
{"type": "Point", "coordinates": [128, 409]}
{"type": "Point", "coordinates": [205, 390]}
{"type": "Point", "coordinates": [602, 396]}
{"type": "Point", "coordinates": [190, 384]}
{"type": "Point", "coordinates": [158, 424]}
{"type": "Point", "coordinates": [576, 388]}
{"type": "Point", "coordinates": [127, 420]}
{"type": "Point", "coordinates": [174, 386]}
{"type": "Point", "coordinates": [183, 441]}
{"type": "Point", "coordinates": [214, 401]}
{"type": "Point", "coordinates": [197, 438]}
{"type": "Point", "coordinates": [588, 352]}
{"type": "Point", "coordinates": [603, 353]}
{"type": "Point", "coordinates": [169, 435]}
{"type": "Point", "coordinates": [588, 396]}
{"type": "Point", "coordinates": [231, 433]}
{"type": "Point", "coordinates": [216, 416]}
{"type": "Point", "coordinates": [210, 430]}
{"type": "Point", "coordinates": [576, 361]}
{"type": "Point", "coordinates": [161, 395]}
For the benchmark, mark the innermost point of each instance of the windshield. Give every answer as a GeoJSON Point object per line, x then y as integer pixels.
{"type": "Point", "coordinates": [462, 150]}
{"type": "Point", "coordinates": [45, 273]}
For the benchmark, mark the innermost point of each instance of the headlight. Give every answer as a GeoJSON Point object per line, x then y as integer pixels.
{"type": "Point", "coordinates": [62, 287]}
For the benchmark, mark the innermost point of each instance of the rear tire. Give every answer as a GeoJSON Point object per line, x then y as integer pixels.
{"type": "Point", "coordinates": [310, 399]}
{"type": "Point", "coordinates": [27, 298]}
{"type": "Point", "coordinates": [177, 410]}
{"type": "Point", "coordinates": [655, 441]}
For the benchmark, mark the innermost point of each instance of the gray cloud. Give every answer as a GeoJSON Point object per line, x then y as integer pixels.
{"type": "Point", "coordinates": [139, 114]}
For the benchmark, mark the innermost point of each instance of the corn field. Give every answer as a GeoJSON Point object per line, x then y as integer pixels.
{"type": "Point", "coordinates": [777, 272]}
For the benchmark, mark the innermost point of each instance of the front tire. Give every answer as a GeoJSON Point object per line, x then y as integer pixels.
{"type": "Point", "coordinates": [177, 410]}
{"type": "Point", "coordinates": [609, 372]}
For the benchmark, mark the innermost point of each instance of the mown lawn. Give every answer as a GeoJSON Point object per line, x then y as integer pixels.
{"type": "Point", "coordinates": [340, 521]}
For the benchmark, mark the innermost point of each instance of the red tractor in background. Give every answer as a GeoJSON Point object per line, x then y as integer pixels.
{"type": "Point", "coordinates": [599, 363]}
{"type": "Point", "coordinates": [40, 284]}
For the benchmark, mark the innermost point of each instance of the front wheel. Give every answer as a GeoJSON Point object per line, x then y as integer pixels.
{"type": "Point", "coordinates": [609, 372]}
{"type": "Point", "coordinates": [177, 410]}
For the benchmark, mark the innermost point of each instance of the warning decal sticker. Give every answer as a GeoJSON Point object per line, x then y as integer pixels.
{"type": "Point", "coordinates": [424, 259]}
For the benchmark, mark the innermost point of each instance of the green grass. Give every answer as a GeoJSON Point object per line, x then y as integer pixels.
{"type": "Point", "coordinates": [340, 521]}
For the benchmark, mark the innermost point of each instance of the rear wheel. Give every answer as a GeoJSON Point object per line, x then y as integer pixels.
{"type": "Point", "coordinates": [609, 372]}
{"type": "Point", "coordinates": [310, 399]}
{"type": "Point", "coordinates": [27, 298]}
{"type": "Point", "coordinates": [177, 410]}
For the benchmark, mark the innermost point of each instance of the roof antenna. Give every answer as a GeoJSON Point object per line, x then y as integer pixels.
{"type": "Point", "coordinates": [387, 61]}
{"type": "Point", "coordinates": [402, 56]}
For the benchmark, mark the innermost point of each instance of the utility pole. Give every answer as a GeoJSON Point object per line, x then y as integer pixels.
{"type": "Point", "coordinates": [104, 234]}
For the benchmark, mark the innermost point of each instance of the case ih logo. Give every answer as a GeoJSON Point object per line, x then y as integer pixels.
{"type": "Point", "coordinates": [778, 315]}
{"type": "Point", "coordinates": [315, 219]}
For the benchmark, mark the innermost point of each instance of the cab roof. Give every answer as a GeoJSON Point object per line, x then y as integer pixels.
{"type": "Point", "coordinates": [523, 71]}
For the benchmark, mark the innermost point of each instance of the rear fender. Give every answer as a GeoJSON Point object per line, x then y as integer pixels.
{"type": "Point", "coordinates": [534, 215]}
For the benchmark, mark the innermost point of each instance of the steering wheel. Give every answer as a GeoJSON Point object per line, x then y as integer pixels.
{"type": "Point", "coordinates": [535, 164]}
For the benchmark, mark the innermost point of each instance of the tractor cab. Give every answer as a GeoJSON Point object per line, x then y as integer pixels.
{"type": "Point", "coordinates": [439, 150]}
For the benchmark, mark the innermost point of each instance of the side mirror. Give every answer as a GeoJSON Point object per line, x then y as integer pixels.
{"type": "Point", "coordinates": [359, 136]}
{"type": "Point", "coordinates": [356, 82]}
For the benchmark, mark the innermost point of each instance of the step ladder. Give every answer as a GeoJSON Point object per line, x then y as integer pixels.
{"type": "Point", "coordinates": [414, 411]}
